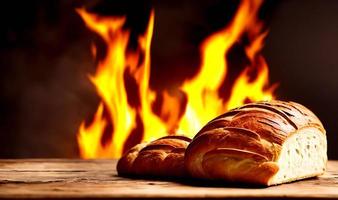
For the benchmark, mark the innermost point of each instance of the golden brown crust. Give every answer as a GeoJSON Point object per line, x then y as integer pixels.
{"type": "Point", "coordinates": [162, 157]}
{"type": "Point", "coordinates": [243, 144]}
{"type": "Point", "coordinates": [250, 167]}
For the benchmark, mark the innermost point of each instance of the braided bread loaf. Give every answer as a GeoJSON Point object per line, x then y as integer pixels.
{"type": "Point", "coordinates": [262, 143]}
{"type": "Point", "coordinates": [162, 157]}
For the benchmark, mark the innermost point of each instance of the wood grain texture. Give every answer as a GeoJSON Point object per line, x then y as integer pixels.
{"type": "Point", "coordinates": [60, 178]}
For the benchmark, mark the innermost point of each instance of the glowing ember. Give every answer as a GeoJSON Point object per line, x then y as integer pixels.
{"type": "Point", "coordinates": [116, 116]}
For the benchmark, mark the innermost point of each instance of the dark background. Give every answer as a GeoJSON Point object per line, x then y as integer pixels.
{"type": "Point", "coordinates": [45, 58]}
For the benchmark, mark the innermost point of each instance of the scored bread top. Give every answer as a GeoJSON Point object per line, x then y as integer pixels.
{"type": "Point", "coordinates": [162, 157]}
{"type": "Point", "coordinates": [253, 133]}
{"type": "Point", "coordinates": [272, 121]}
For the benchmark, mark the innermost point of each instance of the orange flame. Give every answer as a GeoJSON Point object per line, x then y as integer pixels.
{"type": "Point", "coordinates": [116, 116]}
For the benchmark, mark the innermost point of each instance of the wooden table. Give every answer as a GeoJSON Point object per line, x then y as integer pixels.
{"type": "Point", "coordinates": [60, 178]}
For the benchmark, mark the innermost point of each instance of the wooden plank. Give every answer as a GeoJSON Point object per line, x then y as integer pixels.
{"type": "Point", "coordinates": [62, 178]}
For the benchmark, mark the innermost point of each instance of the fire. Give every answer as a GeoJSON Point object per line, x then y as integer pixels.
{"type": "Point", "coordinates": [120, 119]}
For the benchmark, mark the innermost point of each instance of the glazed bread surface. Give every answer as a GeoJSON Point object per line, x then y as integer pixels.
{"type": "Point", "coordinates": [265, 143]}
{"type": "Point", "coordinates": [163, 157]}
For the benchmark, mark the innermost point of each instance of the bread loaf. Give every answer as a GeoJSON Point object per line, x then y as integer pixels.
{"type": "Point", "coordinates": [162, 157]}
{"type": "Point", "coordinates": [264, 143]}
